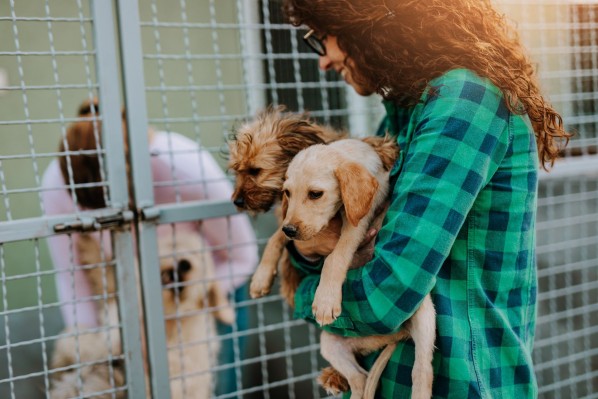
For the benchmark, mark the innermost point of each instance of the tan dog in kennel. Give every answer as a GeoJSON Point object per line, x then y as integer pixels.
{"type": "Point", "coordinates": [188, 286]}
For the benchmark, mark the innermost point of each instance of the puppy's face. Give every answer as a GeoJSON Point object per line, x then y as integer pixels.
{"type": "Point", "coordinates": [184, 268]}
{"type": "Point", "coordinates": [320, 181]}
{"type": "Point", "coordinates": [311, 194]}
{"type": "Point", "coordinates": [260, 154]}
{"type": "Point", "coordinates": [259, 164]}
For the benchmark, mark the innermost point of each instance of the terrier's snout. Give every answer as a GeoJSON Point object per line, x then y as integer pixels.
{"type": "Point", "coordinates": [239, 202]}
{"type": "Point", "coordinates": [290, 230]}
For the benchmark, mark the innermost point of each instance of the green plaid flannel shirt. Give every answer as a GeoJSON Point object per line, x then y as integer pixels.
{"type": "Point", "coordinates": [461, 226]}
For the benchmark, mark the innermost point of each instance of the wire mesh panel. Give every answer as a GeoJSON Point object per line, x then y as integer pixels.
{"type": "Point", "coordinates": [59, 174]}
{"type": "Point", "coordinates": [562, 38]}
{"type": "Point", "coordinates": [566, 348]}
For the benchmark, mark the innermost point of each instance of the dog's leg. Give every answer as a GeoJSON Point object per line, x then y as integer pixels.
{"type": "Point", "coordinates": [422, 327]}
{"type": "Point", "coordinates": [262, 279]}
{"type": "Point", "coordinates": [326, 306]}
{"type": "Point", "coordinates": [338, 352]}
{"type": "Point", "coordinates": [289, 279]}
{"type": "Point", "coordinates": [333, 382]}
{"type": "Point", "coordinates": [218, 299]}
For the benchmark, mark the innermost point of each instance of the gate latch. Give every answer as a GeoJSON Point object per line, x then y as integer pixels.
{"type": "Point", "coordinates": [90, 223]}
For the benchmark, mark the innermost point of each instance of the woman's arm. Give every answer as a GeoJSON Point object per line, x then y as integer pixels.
{"type": "Point", "coordinates": [456, 147]}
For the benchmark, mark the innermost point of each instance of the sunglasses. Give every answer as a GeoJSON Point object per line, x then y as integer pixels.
{"type": "Point", "coordinates": [315, 43]}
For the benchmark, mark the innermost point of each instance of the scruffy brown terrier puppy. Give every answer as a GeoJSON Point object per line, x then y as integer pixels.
{"type": "Point", "coordinates": [187, 274]}
{"type": "Point", "coordinates": [259, 155]}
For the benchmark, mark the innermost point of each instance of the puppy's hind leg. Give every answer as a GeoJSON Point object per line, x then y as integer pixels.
{"type": "Point", "coordinates": [262, 279]}
{"type": "Point", "coordinates": [339, 354]}
{"type": "Point", "coordinates": [333, 382]}
{"type": "Point", "coordinates": [422, 327]}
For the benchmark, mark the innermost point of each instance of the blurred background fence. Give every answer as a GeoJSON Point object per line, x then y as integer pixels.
{"type": "Point", "coordinates": [199, 68]}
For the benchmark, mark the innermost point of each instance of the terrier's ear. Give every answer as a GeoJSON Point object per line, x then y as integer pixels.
{"type": "Point", "coordinates": [296, 134]}
{"type": "Point", "coordinates": [386, 147]}
{"type": "Point", "coordinates": [358, 188]}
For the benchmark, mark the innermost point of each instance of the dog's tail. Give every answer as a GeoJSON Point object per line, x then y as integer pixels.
{"type": "Point", "coordinates": [371, 382]}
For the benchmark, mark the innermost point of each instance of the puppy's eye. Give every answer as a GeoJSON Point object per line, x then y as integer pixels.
{"type": "Point", "coordinates": [254, 171]}
{"type": "Point", "coordinates": [167, 276]}
{"type": "Point", "coordinates": [287, 193]}
{"type": "Point", "coordinates": [314, 195]}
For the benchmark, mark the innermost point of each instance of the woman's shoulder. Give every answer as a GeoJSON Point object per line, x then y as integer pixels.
{"type": "Point", "coordinates": [462, 78]}
{"type": "Point", "coordinates": [463, 85]}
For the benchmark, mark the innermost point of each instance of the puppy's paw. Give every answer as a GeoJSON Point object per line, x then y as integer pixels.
{"type": "Point", "coordinates": [326, 306]}
{"type": "Point", "coordinates": [226, 315]}
{"type": "Point", "coordinates": [333, 382]}
{"type": "Point", "coordinates": [261, 282]}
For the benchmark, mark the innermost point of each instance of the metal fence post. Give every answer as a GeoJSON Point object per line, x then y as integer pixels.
{"type": "Point", "coordinates": [134, 91]}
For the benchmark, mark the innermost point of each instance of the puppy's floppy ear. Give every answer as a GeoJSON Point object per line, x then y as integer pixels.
{"type": "Point", "coordinates": [358, 188]}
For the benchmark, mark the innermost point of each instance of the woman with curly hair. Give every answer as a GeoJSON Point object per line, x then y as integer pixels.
{"type": "Point", "coordinates": [464, 103]}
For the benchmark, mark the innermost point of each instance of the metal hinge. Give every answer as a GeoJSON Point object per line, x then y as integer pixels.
{"type": "Point", "coordinates": [90, 223]}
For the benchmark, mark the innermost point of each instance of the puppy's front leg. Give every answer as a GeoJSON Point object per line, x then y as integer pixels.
{"type": "Point", "coordinates": [262, 279]}
{"type": "Point", "coordinates": [326, 306]}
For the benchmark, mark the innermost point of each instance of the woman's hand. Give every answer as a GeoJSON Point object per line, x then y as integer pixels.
{"type": "Point", "coordinates": [365, 252]}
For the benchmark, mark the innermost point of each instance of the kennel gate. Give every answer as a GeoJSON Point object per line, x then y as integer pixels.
{"type": "Point", "coordinates": [253, 59]}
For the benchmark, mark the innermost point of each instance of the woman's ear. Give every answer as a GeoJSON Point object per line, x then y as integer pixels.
{"type": "Point", "coordinates": [358, 188]}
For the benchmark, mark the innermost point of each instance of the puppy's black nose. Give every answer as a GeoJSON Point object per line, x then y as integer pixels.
{"type": "Point", "coordinates": [239, 202]}
{"type": "Point", "coordinates": [290, 230]}
{"type": "Point", "coordinates": [184, 266]}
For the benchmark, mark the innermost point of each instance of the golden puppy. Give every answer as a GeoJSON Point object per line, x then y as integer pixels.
{"type": "Point", "coordinates": [187, 274]}
{"type": "Point", "coordinates": [189, 287]}
{"type": "Point", "coordinates": [259, 154]}
{"type": "Point", "coordinates": [349, 176]}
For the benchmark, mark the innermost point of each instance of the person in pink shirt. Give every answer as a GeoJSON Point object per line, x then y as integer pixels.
{"type": "Point", "coordinates": [181, 171]}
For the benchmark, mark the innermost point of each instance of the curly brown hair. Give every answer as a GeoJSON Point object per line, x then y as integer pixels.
{"type": "Point", "coordinates": [398, 46]}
